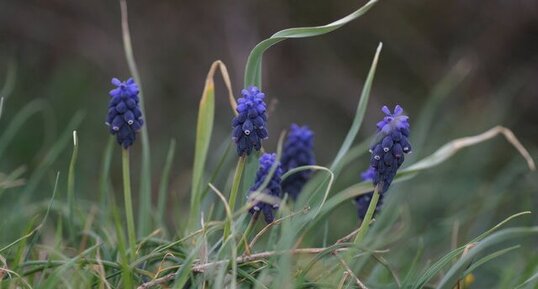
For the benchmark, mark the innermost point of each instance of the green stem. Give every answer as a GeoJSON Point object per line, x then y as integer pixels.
{"type": "Point", "coordinates": [104, 183]}
{"type": "Point", "coordinates": [248, 230]}
{"type": "Point", "coordinates": [368, 218]}
{"type": "Point", "coordinates": [71, 187]}
{"type": "Point", "coordinates": [235, 188]}
{"type": "Point", "coordinates": [128, 202]}
{"type": "Point", "coordinates": [144, 216]}
{"type": "Point", "coordinates": [163, 186]}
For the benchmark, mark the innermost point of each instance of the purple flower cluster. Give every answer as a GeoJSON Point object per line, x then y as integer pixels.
{"type": "Point", "coordinates": [298, 151]}
{"type": "Point", "coordinates": [273, 188]}
{"type": "Point", "coordinates": [390, 146]}
{"type": "Point", "coordinates": [124, 116]}
{"type": "Point", "coordinates": [249, 126]}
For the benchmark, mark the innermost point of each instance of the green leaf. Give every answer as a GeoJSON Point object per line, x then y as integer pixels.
{"type": "Point", "coordinates": [29, 110]}
{"type": "Point", "coordinates": [339, 160]}
{"type": "Point", "coordinates": [71, 186]}
{"type": "Point", "coordinates": [527, 282]}
{"type": "Point", "coordinates": [253, 69]}
{"type": "Point", "coordinates": [204, 128]}
{"type": "Point", "coordinates": [163, 186]}
{"type": "Point", "coordinates": [52, 155]}
{"type": "Point", "coordinates": [144, 217]}
{"type": "Point", "coordinates": [359, 114]}
{"type": "Point", "coordinates": [9, 82]}
{"type": "Point", "coordinates": [447, 259]}
{"type": "Point", "coordinates": [456, 271]}
{"type": "Point", "coordinates": [489, 258]}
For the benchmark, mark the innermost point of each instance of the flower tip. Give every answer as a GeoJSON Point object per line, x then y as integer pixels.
{"type": "Point", "coordinates": [385, 110]}
{"type": "Point", "coordinates": [398, 109]}
{"type": "Point", "coordinates": [116, 81]}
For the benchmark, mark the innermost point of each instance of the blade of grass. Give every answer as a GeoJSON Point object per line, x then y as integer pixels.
{"type": "Point", "coordinates": [163, 186]}
{"type": "Point", "coordinates": [71, 187]}
{"type": "Point", "coordinates": [489, 258]}
{"type": "Point", "coordinates": [231, 239]}
{"type": "Point", "coordinates": [527, 282]}
{"type": "Point", "coordinates": [455, 76]}
{"type": "Point", "coordinates": [1, 106]}
{"type": "Point", "coordinates": [128, 202]}
{"type": "Point", "coordinates": [144, 211]}
{"type": "Point", "coordinates": [361, 110]}
{"type": "Point", "coordinates": [447, 259]}
{"type": "Point", "coordinates": [439, 156]}
{"type": "Point", "coordinates": [104, 182]}
{"type": "Point", "coordinates": [122, 249]}
{"type": "Point", "coordinates": [455, 272]}
{"type": "Point", "coordinates": [9, 82]}
{"type": "Point", "coordinates": [253, 69]}
{"type": "Point", "coordinates": [52, 155]}
{"type": "Point", "coordinates": [339, 161]}
{"type": "Point", "coordinates": [233, 193]}
{"type": "Point", "coordinates": [313, 167]}
{"type": "Point", "coordinates": [204, 129]}
{"type": "Point", "coordinates": [29, 110]}
{"type": "Point", "coordinates": [449, 149]}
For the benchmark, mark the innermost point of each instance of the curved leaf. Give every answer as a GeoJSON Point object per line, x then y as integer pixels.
{"type": "Point", "coordinates": [456, 271]}
{"type": "Point", "coordinates": [254, 63]}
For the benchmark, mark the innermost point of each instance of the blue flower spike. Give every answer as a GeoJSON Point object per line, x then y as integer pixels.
{"type": "Point", "coordinates": [298, 151]}
{"type": "Point", "coordinates": [389, 149]}
{"type": "Point", "coordinates": [249, 126]}
{"type": "Point", "coordinates": [124, 117]}
{"type": "Point", "coordinates": [363, 201]}
{"type": "Point", "coordinates": [273, 188]}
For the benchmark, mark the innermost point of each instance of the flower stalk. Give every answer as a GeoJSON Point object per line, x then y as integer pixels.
{"type": "Point", "coordinates": [131, 234]}
{"type": "Point", "coordinates": [368, 217]}
{"type": "Point", "coordinates": [235, 189]}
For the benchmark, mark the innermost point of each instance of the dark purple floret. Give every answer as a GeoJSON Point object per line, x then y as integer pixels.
{"type": "Point", "coordinates": [363, 201]}
{"type": "Point", "coordinates": [124, 116]}
{"type": "Point", "coordinates": [298, 151]}
{"type": "Point", "coordinates": [390, 146]}
{"type": "Point", "coordinates": [249, 125]}
{"type": "Point", "coordinates": [273, 187]}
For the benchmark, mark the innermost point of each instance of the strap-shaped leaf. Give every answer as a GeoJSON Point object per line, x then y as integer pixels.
{"type": "Point", "coordinates": [253, 69]}
{"type": "Point", "coordinates": [204, 128]}
{"type": "Point", "coordinates": [456, 271]}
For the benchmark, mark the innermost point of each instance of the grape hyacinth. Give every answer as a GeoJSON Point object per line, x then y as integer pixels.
{"type": "Point", "coordinates": [124, 116]}
{"type": "Point", "coordinates": [363, 201]}
{"type": "Point", "coordinates": [298, 151]}
{"type": "Point", "coordinates": [273, 188]}
{"type": "Point", "coordinates": [389, 149]}
{"type": "Point", "coordinates": [249, 125]}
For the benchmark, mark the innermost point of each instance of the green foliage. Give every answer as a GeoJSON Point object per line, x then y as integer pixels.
{"type": "Point", "coordinates": [68, 241]}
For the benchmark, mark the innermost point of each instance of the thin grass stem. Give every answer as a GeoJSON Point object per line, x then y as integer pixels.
{"type": "Point", "coordinates": [368, 217]}
{"type": "Point", "coordinates": [235, 189]}
{"type": "Point", "coordinates": [246, 234]}
{"type": "Point", "coordinates": [128, 202]}
{"type": "Point", "coordinates": [145, 180]}
{"type": "Point", "coordinates": [163, 186]}
{"type": "Point", "coordinates": [71, 186]}
{"type": "Point", "coordinates": [104, 184]}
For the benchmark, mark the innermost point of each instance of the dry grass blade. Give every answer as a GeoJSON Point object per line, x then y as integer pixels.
{"type": "Point", "coordinates": [274, 223]}
{"type": "Point", "coordinates": [342, 282]}
{"type": "Point", "coordinates": [225, 76]}
{"type": "Point", "coordinates": [454, 146]}
{"type": "Point", "coordinates": [157, 281]}
{"type": "Point", "coordinates": [350, 272]}
{"type": "Point", "coordinates": [3, 268]}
